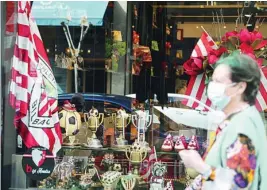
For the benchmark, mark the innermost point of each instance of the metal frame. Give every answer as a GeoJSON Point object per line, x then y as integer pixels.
{"type": "Point", "coordinates": [1, 106]}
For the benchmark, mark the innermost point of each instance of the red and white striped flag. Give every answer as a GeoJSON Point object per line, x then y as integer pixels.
{"type": "Point", "coordinates": [33, 89]}
{"type": "Point", "coordinates": [261, 100]}
{"type": "Point", "coordinates": [147, 164]}
{"type": "Point", "coordinates": [196, 87]}
{"type": "Point", "coordinates": [204, 45]}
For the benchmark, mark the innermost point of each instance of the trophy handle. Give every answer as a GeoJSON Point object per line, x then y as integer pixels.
{"type": "Point", "coordinates": [86, 118]}
{"type": "Point", "coordinates": [102, 118]}
{"type": "Point", "coordinates": [129, 120]}
{"type": "Point", "coordinates": [113, 116]}
{"type": "Point", "coordinates": [128, 150]}
{"type": "Point", "coordinates": [134, 118]}
{"type": "Point", "coordinates": [149, 120]}
{"type": "Point", "coordinates": [145, 151]}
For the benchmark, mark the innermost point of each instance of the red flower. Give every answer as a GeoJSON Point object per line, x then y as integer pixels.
{"type": "Point", "coordinates": [229, 34]}
{"type": "Point", "coordinates": [256, 35]}
{"type": "Point", "coordinates": [193, 66]}
{"type": "Point", "coordinates": [164, 65]}
{"type": "Point", "coordinates": [214, 55]}
{"type": "Point", "coordinates": [245, 36]}
{"type": "Point", "coordinates": [262, 44]}
{"type": "Point", "coordinates": [249, 37]}
{"type": "Point", "coordinates": [168, 45]}
{"type": "Point", "coordinates": [248, 50]}
{"type": "Point", "coordinates": [260, 61]}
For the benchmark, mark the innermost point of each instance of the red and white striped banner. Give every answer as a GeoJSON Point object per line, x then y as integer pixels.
{"type": "Point", "coordinates": [204, 45]}
{"type": "Point", "coordinates": [261, 100]}
{"type": "Point", "coordinates": [148, 165]}
{"type": "Point", "coordinates": [33, 89]}
{"type": "Point", "coordinates": [197, 89]}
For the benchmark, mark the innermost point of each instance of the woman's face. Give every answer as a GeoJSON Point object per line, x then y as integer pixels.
{"type": "Point", "coordinates": [222, 74]}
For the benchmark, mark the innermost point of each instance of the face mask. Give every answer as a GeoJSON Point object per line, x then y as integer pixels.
{"type": "Point", "coordinates": [216, 94]}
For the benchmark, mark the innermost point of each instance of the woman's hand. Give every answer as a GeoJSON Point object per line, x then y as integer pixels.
{"type": "Point", "coordinates": [192, 159]}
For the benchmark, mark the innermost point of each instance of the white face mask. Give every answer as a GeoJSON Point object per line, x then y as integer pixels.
{"type": "Point", "coordinates": [216, 94]}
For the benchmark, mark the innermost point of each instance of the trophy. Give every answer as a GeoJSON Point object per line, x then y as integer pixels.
{"type": "Point", "coordinates": [136, 154]}
{"type": "Point", "coordinates": [70, 123]}
{"type": "Point", "coordinates": [142, 121]}
{"type": "Point", "coordinates": [110, 179]}
{"type": "Point", "coordinates": [128, 181]}
{"type": "Point", "coordinates": [157, 179]}
{"type": "Point", "coordinates": [93, 120]}
{"type": "Point", "coordinates": [120, 124]}
{"type": "Point", "coordinates": [89, 172]}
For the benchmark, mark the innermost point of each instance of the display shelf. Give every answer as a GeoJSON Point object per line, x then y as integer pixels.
{"type": "Point", "coordinates": [94, 149]}
{"type": "Point", "coordinates": [114, 149]}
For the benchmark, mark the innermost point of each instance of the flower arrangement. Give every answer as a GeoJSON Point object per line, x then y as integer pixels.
{"type": "Point", "coordinates": [243, 41]}
{"type": "Point", "coordinates": [200, 66]}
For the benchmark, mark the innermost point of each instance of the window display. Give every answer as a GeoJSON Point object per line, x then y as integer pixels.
{"type": "Point", "coordinates": [122, 95]}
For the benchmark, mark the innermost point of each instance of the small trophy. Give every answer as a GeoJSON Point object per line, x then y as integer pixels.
{"type": "Point", "coordinates": [122, 120]}
{"type": "Point", "coordinates": [136, 154]}
{"type": "Point", "coordinates": [128, 181]}
{"type": "Point", "coordinates": [157, 179]}
{"type": "Point", "coordinates": [110, 179]}
{"type": "Point", "coordinates": [142, 121]}
{"type": "Point", "coordinates": [93, 120]}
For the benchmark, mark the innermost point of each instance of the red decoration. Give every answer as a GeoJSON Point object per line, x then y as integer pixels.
{"type": "Point", "coordinates": [214, 55]}
{"type": "Point", "coordinates": [193, 144]}
{"type": "Point", "coordinates": [136, 38]}
{"type": "Point", "coordinates": [193, 66]}
{"type": "Point", "coordinates": [181, 143]}
{"type": "Point", "coordinates": [200, 67]}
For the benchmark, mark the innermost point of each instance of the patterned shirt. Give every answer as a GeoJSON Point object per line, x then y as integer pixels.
{"type": "Point", "coordinates": [241, 158]}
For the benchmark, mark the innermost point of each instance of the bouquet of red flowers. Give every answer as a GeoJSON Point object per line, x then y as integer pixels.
{"type": "Point", "coordinates": [200, 66]}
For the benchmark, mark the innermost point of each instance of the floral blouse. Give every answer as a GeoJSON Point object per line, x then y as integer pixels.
{"type": "Point", "coordinates": [241, 159]}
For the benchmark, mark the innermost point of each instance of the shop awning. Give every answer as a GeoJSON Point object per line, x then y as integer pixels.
{"type": "Point", "coordinates": [52, 13]}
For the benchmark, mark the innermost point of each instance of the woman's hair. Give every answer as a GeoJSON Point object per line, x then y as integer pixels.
{"type": "Point", "coordinates": [244, 69]}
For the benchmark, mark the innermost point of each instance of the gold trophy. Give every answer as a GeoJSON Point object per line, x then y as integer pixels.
{"type": "Point", "coordinates": [122, 120]}
{"type": "Point", "coordinates": [93, 120]}
{"type": "Point", "coordinates": [136, 154]}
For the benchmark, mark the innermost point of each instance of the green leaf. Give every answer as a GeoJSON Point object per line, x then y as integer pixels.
{"type": "Point", "coordinates": [234, 40]}
{"type": "Point", "coordinates": [256, 43]}
{"type": "Point", "coordinates": [260, 52]}
{"type": "Point", "coordinates": [121, 47]}
{"type": "Point", "coordinates": [230, 46]}
{"type": "Point", "coordinates": [205, 64]}
{"type": "Point", "coordinates": [264, 63]}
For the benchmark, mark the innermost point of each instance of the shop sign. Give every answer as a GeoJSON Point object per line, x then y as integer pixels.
{"type": "Point", "coordinates": [38, 163]}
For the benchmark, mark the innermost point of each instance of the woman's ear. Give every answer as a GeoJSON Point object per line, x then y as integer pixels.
{"type": "Point", "coordinates": [242, 87]}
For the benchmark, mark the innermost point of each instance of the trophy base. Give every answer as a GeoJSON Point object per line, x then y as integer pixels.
{"type": "Point", "coordinates": [146, 145]}
{"type": "Point", "coordinates": [94, 143]}
{"type": "Point", "coordinates": [121, 143]}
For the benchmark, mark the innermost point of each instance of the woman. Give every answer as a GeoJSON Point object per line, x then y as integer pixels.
{"type": "Point", "coordinates": [236, 159]}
